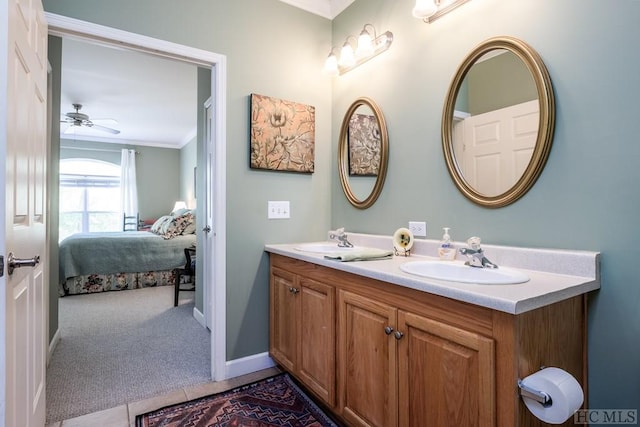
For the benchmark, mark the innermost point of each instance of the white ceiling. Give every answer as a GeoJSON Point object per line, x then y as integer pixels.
{"type": "Point", "coordinates": [327, 8]}
{"type": "Point", "coordinates": [152, 99]}
{"type": "Point", "coordinates": [149, 99]}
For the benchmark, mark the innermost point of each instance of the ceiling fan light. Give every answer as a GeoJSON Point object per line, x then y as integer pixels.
{"type": "Point", "coordinates": [77, 119]}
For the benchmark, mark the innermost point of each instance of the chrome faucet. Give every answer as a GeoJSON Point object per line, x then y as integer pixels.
{"type": "Point", "coordinates": [341, 237]}
{"type": "Point", "coordinates": [475, 254]}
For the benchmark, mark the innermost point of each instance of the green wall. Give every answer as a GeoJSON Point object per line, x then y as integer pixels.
{"type": "Point", "coordinates": [158, 173]}
{"type": "Point", "coordinates": [54, 54]}
{"type": "Point", "coordinates": [499, 82]}
{"type": "Point", "coordinates": [587, 196]}
{"type": "Point", "coordinates": [188, 160]}
{"type": "Point", "coordinates": [272, 49]}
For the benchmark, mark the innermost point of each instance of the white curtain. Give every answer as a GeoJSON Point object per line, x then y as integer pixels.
{"type": "Point", "coordinates": [128, 187]}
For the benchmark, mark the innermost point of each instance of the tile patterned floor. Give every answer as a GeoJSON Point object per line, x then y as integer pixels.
{"type": "Point", "coordinates": [125, 415]}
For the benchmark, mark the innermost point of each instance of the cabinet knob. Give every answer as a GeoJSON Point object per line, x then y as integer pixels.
{"type": "Point", "coordinates": [293, 290]}
{"type": "Point", "coordinates": [388, 330]}
{"type": "Point", "coordinates": [398, 335]}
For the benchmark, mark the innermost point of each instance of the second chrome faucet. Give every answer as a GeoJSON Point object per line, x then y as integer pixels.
{"type": "Point", "coordinates": [475, 254]}
{"type": "Point", "coordinates": [341, 237]}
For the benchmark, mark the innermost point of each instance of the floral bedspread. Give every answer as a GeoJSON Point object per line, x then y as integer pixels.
{"type": "Point", "coordinates": [92, 283]}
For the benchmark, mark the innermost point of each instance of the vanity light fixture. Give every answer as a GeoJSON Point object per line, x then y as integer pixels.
{"type": "Point", "coordinates": [430, 10]}
{"type": "Point", "coordinates": [368, 45]}
{"type": "Point", "coordinates": [347, 55]}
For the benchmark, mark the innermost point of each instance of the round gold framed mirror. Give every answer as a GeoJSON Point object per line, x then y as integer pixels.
{"type": "Point", "coordinates": [363, 152]}
{"type": "Point", "coordinates": [498, 122]}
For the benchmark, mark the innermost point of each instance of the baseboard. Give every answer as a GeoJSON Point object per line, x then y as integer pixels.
{"type": "Point", "coordinates": [53, 344]}
{"type": "Point", "coordinates": [197, 314]}
{"type": "Point", "coordinates": [249, 364]}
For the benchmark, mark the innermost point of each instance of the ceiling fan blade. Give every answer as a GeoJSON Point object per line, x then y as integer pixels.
{"type": "Point", "coordinates": [103, 128]}
{"type": "Point", "coordinates": [111, 122]}
{"type": "Point", "coordinates": [70, 130]}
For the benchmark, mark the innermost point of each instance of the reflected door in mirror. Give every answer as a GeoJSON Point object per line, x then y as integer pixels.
{"type": "Point", "coordinates": [493, 149]}
{"type": "Point", "coordinates": [498, 122]}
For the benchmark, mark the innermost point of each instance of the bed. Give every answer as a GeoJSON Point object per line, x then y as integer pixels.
{"type": "Point", "coordinates": [99, 262]}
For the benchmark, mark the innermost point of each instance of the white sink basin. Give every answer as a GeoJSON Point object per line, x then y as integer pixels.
{"type": "Point", "coordinates": [323, 248]}
{"type": "Point", "coordinates": [458, 272]}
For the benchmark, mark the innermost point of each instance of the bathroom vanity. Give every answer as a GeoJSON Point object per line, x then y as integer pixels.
{"type": "Point", "coordinates": [380, 347]}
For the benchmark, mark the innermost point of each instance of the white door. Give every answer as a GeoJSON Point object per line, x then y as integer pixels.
{"type": "Point", "coordinates": [26, 292]}
{"type": "Point", "coordinates": [207, 237]}
{"type": "Point", "coordinates": [498, 146]}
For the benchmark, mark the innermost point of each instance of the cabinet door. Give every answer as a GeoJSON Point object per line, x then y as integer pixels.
{"type": "Point", "coordinates": [446, 375]}
{"type": "Point", "coordinates": [367, 379]}
{"type": "Point", "coordinates": [316, 357]}
{"type": "Point", "coordinates": [283, 315]}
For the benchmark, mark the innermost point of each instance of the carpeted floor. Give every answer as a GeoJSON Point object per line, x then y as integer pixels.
{"type": "Point", "coordinates": [276, 401]}
{"type": "Point", "coordinates": [120, 347]}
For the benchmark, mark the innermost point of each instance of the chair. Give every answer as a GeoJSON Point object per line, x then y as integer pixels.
{"type": "Point", "coordinates": [130, 223]}
{"type": "Point", "coordinates": [188, 270]}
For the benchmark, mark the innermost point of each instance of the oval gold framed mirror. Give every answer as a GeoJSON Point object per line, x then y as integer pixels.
{"type": "Point", "coordinates": [498, 122]}
{"type": "Point", "coordinates": [363, 152]}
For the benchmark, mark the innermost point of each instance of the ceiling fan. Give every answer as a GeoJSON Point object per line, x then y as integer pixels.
{"type": "Point", "coordinates": [76, 118]}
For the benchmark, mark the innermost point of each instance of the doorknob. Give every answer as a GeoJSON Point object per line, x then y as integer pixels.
{"type": "Point", "coordinates": [13, 262]}
{"type": "Point", "coordinates": [206, 229]}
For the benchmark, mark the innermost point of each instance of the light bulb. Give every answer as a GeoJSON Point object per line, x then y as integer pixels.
{"type": "Point", "coordinates": [347, 57]}
{"type": "Point", "coordinates": [331, 65]}
{"type": "Point", "coordinates": [424, 8]}
{"type": "Point", "coordinates": [365, 45]}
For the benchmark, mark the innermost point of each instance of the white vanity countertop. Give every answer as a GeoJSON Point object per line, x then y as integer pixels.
{"type": "Point", "coordinates": [555, 275]}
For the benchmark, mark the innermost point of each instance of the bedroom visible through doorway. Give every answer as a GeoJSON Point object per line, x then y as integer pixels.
{"type": "Point", "coordinates": [214, 274]}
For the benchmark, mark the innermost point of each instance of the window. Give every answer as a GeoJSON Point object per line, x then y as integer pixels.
{"type": "Point", "coordinates": [89, 197]}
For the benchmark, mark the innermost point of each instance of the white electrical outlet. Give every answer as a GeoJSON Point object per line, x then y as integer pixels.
{"type": "Point", "coordinates": [418, 228]}
{"type": "Point", "coordinates": [278, 210]}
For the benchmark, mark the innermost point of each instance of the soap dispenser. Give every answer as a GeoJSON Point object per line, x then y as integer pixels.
{"type": "Point", "coordinates": [446, 251]}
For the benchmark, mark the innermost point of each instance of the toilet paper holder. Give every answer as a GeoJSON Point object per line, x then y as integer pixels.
{"type": "Point", "coordinates": [537, 395]}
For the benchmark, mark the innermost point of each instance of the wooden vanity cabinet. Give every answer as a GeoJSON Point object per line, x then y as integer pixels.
{"type": "Point", "coordinates": [367, 361]}
{"type": "Point", "coordinates": [401, 357]}
{"type": "Point", "coordinates": [302, 330]}
{"type": "Point", "coordinates": [399, 368]}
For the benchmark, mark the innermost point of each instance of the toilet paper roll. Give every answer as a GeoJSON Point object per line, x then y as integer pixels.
{"type": "Point", "coordinates": [564, 390]}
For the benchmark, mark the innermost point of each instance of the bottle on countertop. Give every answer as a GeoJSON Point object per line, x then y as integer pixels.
{"type": "Point", "coordinates": [446, 251]}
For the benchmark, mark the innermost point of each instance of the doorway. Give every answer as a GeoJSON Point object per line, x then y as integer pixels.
{"type": "Point", "coordinates": [214, 273]}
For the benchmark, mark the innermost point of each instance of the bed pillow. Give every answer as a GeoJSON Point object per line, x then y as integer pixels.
{"type": "Point", "coordinates": [160, 226]}
{"type": "Point", "coordinates": [190, 222]}
{"type": "Point", "coordinates": [177, 225]}
{"type": "Point", "coordinates": [180, 212]}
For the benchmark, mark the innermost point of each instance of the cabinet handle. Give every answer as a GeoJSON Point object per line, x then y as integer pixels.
{"type": "Point", "coordinates": [398, 335]}
{"type": "Point", "coordinates": [388, 330]}
{"type": "Point", "coordinates": [293, 290]}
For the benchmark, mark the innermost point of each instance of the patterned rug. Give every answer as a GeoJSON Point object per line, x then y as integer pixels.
{"type": "Point", "coordinates": [275, 401]}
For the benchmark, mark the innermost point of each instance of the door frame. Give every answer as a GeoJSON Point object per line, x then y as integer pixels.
{"type": "Point", "coordinates": [215, 271]}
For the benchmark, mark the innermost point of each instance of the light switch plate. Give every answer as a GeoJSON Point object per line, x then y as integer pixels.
{"type": "Point", "coordinates": [278, 209]}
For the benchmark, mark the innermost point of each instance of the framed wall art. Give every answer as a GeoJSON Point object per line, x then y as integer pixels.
{"type": "Point", "coordinates": [282, 135]}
